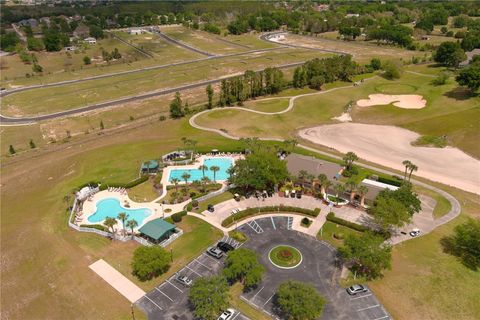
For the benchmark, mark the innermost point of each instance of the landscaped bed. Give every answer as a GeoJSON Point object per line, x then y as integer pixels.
{"type": "Point", "coordinates": [251, 212]}
{"type": "Point", "coordinates": [285, 257]}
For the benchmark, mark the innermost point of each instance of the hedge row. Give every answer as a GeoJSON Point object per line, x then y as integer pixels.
{"type": "Point", "coordinates": [256, 211]}
{"type": "Point", "coordinates": [177, 217]}
{"type": "Point", "coordinates": [352, 225]}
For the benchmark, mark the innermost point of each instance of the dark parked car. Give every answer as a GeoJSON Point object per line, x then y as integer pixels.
{"type": "Point", "coordinates": [299, 195]}
{"type": "Point", "coordinates": [356, 288]}
{"type": "Point", "coordinates": [210, 208]}
{"type": "Point", "coordinates": [225, 247]}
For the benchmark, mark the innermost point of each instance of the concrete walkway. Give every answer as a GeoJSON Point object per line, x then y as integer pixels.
{"type": "Point", "coordinates": [118, 281]}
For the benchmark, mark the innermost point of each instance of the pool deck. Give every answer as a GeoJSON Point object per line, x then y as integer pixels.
{"type": "Point", "coordinates": [89, 207]}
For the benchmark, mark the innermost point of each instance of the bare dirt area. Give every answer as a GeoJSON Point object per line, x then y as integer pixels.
{"type": "Point", "coordinates": [389, 146]}
{"type": "Point", "coordinates": [360, 51]}
{"type": "Point", "coordinates": [404, 101]}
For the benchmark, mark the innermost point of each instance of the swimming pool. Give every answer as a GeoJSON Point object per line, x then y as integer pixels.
{"type": "Point", "coordinates": [110, 207]}
{"type": "Point", "coordinates": [196, 174]}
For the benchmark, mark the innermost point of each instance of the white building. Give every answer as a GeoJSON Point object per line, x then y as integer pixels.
{"type": "Point", "coordinates": [135, 31]}
{"type": "Point", "coordinates": [90, 40]}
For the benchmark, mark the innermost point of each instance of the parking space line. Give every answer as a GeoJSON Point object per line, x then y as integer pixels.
{"type": "Point", "coordinates": [174, 286]}
{"type": "Point", "coordinates": [193, 270]}
{"type": "Point", "coordinates": [268, 299]}
{"type": "Point", "coordinates": [384, 317]}
{"type": "Point", "coordinates": [371, 307]}
{"type": "Point", "coordinates": [206, 255]}
{"type": "Point", "coordinates": [195, 259]}
{"type": "Point", "coordinates": [257, 293]}
{"type": "Point", "coordinates": [235, 316]}
{"type": "Point", "coordinates": [153, 302]}
{"type": "Point", "coordinates": [367, 295]}
{"type": "Point", "coordinates": [273, 223]}
{"type": "Point", "coordinates": [163, 294]}
{"type": "Point", "coordinates": [241, 244]}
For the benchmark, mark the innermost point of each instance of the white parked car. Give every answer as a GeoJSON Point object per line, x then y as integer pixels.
{"type": "Point", "coordinates": [227, 314]}
{"type": "Point", "coordinates": [415, 232]}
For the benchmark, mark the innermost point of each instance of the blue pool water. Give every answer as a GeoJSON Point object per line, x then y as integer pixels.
{"type": "Point", "coordinates": [110, 207]}
{"type": "Point", "coordinates": [196, 174]}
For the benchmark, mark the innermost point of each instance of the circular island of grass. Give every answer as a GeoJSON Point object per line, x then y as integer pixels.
{"type": "Point", "coordinates": [285, 257]}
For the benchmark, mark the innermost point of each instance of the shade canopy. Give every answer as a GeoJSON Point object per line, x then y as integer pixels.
{"type": "Point", "coordinates": [157, 229]}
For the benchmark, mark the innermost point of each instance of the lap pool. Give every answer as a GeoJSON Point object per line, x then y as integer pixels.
{"type": "Point", "coordinates": [196, 174]}
{"type": "Point", "coordinates": [110, 207]}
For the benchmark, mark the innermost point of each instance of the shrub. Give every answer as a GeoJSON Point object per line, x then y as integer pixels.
{"type": "Point", "coordinates": [162, 118]}
{"type": "Point", "coordinates": [194, 204]}
{"type": "Point", "coordinates": [127, 185]}
{"type": "Point", "coordinates": [331, 217]}
{"type": "Point", "coordinates": [150, 262]}
{"type": "Point", "coordinates": [94, 226]}
{"type": "Point", "coordinates": [238, 236]}
{"type": "Point", "coordinates": [390, 181]}
{"type": "Point", "coordinates": [338, 235]}
{"type": "Point", "coordinates": [177, 217]}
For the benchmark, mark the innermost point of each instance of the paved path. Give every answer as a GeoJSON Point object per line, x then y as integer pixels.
{"type": "Point", "coordinates": [117, 280]}
{"type": "Point", "coordinates": [182, 44]}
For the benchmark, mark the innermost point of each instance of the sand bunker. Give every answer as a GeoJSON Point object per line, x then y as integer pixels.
{"type": "Point", "coordinates": [389, 146]}
{"type": "Point", "coordinates": [344, 117]}
{"type": "Point", "coordinates": [406, 101]}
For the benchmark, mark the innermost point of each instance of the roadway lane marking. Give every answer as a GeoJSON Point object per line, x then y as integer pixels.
{"type": "Point", "coordinates": [257, 292]}
{"type": "Point", "coordinates": [174, 286]}
{"type": "Point", "coordinates": [385, 317]}
{"type": "Point", "coordinates": [371, 307]}
{"type": "Point", "coordinates": [268, 299]}
{"type": "Point", "coordinates": [273, 223]}
{"type": "Point", "coordinates": [367, 295]}
{"type": "Point", "coordinates": [195, 259]}
{"type": "Point", "coordinates": [153, 302]}
{"type": "Point", "coordinates": [193, 270]}
{"type": "Point", "coordinates": [163, 294]}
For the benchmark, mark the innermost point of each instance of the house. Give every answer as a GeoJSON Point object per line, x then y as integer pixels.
{"type": "Point", "coordinates": [90, 40]}
{"type": "Point", "coordinates": [135, 31]}
{"type": "Point", "coordinates": [45, 20]}
{"type": "Point", "coordinates": [82, 31]}
{"type": "Point", "coordinates": [28, 22]}
{"type": "Point", "coordinates": [322, 7]}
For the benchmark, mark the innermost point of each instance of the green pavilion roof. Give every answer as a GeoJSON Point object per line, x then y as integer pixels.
{"type": "Point", "coordinates": [157, 228]}
{"type": "Point", "coordinates": [152, 165]}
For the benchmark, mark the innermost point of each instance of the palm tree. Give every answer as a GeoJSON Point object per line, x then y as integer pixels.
{"type": "Point", "coordinates": [302, 174]}
{"type": "Point", "coordinates": [205, 181]}
{"type": "Point", "coordinates": [349, 158]}
{"type": "Point", "coordinates": [215, 169]}
{"type": "Point", "coordinates": [351, 187]}
{"type": "Point", "coordinates": [175, 182]}
{"type": "Point", "coordinates": [362, 191]}
{"type": "Point", "coordinates": [132, 224]}
{"type": "Point", "coordinates": [186, 176]}
{"type": "Point", "coordinates": [407, 165]}
{"type": "Point", "coordinates": [203, 168]}
{"type": "Point", "coordinates": [339, 189]}
{"type": "Point", "coordinates": [122, 216]}
{"type": "Point", "coordinates": [322, 179]}
{"type": "Point", "coordinates": [412, 168]}
{"type": "Point", "coordinates": [230, 172]}
{"type": "Point", "coordinates": [110, 223]}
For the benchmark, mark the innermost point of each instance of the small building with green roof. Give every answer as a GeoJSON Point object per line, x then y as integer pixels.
{"type": "Point", "coordinates": [150, 166]}
{"type": "Point", "coordinates": [157, 230]}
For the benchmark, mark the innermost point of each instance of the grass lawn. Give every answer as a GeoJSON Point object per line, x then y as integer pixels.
{"type": "Point", "coordinates": [242, 306]}
{"type": "Point", "coordinates": [45, 100]}
{"type": "Point", "coordinates": [330, 229]}
{"type": "Point", "coordinates": [202, 206]}
{"type": "Point", "coordinates": [143, 192]}
{"type": "Point", "coordinates": [198, 236]}
{"type": "Point", "coordinates": [285, 256]}
{"type": "Point", "coordinates": [442, 207]}
{"type": "Point", "coordinates": [269, 105]}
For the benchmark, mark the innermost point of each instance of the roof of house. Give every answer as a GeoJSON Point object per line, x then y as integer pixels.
{"type": "Point", "coordinates": [297, 162]}
{"type": "Point", "coordinates": [157, 228]}
{"type": "Point", "coordinates": [81, 28]}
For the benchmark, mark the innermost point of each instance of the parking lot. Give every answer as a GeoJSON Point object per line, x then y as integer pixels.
{"type": "Point", "coordinates": [169, 300]}
{"type": "Point", "coordinates": [317, 268]}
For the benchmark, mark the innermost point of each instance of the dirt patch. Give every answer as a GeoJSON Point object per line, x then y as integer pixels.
{"type": "Point", "coordinates": [389, 146]}
{"type": "Point", "coordinates": [405, 101]}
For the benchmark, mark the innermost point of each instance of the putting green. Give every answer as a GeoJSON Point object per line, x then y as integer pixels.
{"type": "Point", "coordinates": [285, 257]}
{"type": "Point", "coordinates": [395, 88]}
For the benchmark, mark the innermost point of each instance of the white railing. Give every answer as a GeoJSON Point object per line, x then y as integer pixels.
{"type": "Point", "coordinates": [214, 193]}
{"type": "Point", "coordinates": [174, 236]}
